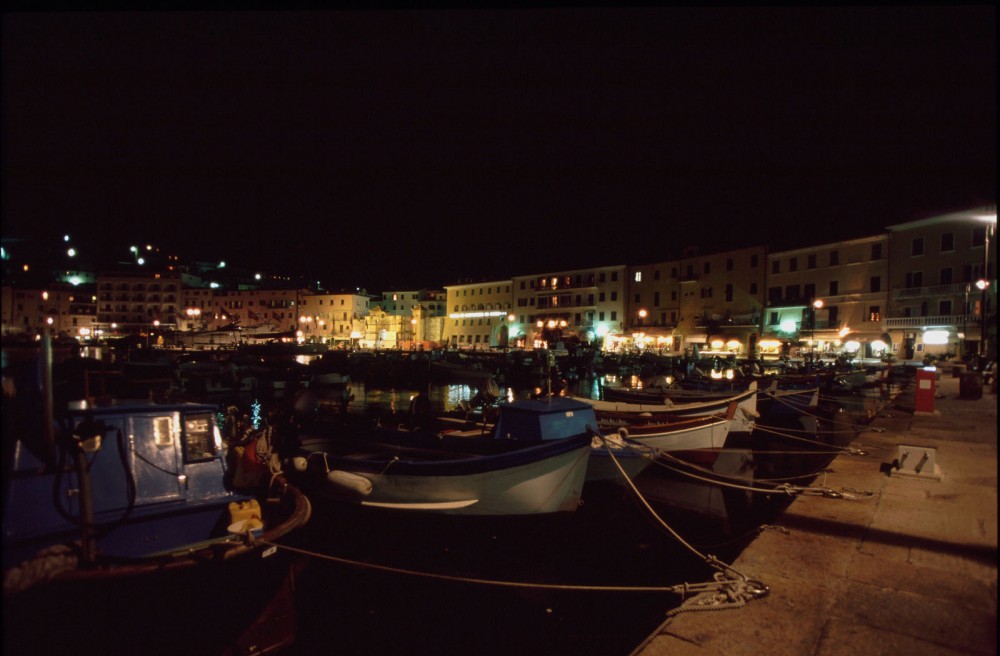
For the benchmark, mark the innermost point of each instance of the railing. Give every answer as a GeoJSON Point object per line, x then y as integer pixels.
{"type": "Point", "coordinates": [938, 320]}
{"type": "Point", "coordinates": [933, 290]}
{"type": "Point", "coordinates": [735, 320]}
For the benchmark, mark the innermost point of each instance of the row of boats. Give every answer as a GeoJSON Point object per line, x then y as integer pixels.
{"type": "Point", "coordinates": [119, 511]}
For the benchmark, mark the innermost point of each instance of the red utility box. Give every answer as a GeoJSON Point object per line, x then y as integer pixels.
{"type": "Point", "coordinates": [926, 384]}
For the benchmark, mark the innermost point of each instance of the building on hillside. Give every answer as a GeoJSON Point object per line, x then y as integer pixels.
{"type": "Point", "coordinates": [827, 300]}
{"type": "Point", "coordinates": [943, 279]}
{"type": "Point", "coordinates": [478, 315]}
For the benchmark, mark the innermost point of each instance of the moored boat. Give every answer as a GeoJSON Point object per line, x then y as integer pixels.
{"type": "Point", "coordinates": [118, 528]}
{"type": "Point", "coordinates": [532, 461]}
{"type": "Point", "coordinates": [743, 420]}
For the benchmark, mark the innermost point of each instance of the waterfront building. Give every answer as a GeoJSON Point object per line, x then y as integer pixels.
{"type": "Point", "coordinates": [716, 300]}
{"type": "Point", "coordinates": [337, 319]}
{"type": "Point", "coordinates": [943, 279]}
{"type": "Point", "coordinates": [478, 315]}
{"type": "Point", "coordinates": [828, 299]}
{"type": "Point", "coordinates": [66, 309]}
{"type": "Point", "coordinates": [588, 305]}
{"type": "Point", "coordinates": [138, 301]}
{"type": "Point", "coordinates": [276, 310]}
{"type": "Point", "coordinates": [197, 306]}
{"type": "Point", "coordinates": [653, 306]}
{"type": "Point", "coordinates": [404, 302]}
{"type": "Point", "coordinates": [426, 309]}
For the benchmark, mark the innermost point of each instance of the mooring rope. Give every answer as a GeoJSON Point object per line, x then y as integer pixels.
{"type": "Point", "coordinates": [682, 589]}
{"type": "Point", "coordinates": [783, 488]}
{"type": "Point", "coordinates": [840, 449]}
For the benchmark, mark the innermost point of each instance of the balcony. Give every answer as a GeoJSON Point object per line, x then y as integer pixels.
{"type": "Point", "coordinates": [955, 289]}
{"type": "Point", "coordinates": [938, 320]}
{"type": "Point", "coordinates": [722, 321]}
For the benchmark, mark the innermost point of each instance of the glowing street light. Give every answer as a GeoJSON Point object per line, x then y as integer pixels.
{"type": "Point", "coordinates": [984, 283]}
{"type": "Point", "coordinates": [817, 305]}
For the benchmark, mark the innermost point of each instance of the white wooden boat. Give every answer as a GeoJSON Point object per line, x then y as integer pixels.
{"type": "Point", "coordinates": [533, 461]}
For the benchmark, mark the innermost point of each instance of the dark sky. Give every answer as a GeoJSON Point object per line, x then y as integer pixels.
{"type": "Point", "coordinates": [412, 148]}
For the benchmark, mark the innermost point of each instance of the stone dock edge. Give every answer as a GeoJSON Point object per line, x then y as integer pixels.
{"type": "Point", "coordinates": [911, 569]}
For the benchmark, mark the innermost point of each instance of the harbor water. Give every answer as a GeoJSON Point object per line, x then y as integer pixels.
{"type": "Point", "coordinates": [593, 581]}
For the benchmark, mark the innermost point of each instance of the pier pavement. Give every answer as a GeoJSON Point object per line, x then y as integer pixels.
{"type": "Point", "coordinates": [910, 570]}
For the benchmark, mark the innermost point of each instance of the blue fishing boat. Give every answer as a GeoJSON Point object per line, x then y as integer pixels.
{"type": "Point", "coordinates": [533, 460]}
{"type": "Point", "coordinates": [120, 531]}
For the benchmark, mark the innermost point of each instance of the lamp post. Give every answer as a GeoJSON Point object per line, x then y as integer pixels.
{"type": "Point", "coordinates": [984, 284]}
{"type": "Point", "coordinates": [817, 304]}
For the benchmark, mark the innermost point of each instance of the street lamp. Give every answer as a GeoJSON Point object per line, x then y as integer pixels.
{"type": "Point", "coordinates": [817, 305]}
{"type": "Point", "coordinates": [984, 283]}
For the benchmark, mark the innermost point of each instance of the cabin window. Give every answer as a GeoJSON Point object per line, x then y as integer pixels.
{"type": "Point", "coordinates": [163, 431]}
{"type": "Point", "coordinates": [199, 438]}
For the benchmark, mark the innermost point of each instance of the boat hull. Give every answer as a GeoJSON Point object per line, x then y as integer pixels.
{"type": "Point", "coordinates": [544, 479]}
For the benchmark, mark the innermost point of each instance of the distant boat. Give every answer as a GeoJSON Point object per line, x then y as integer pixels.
{"type": "Point", "coordinates": [667, 410]}
{"type": "Point", "coordinates": [120, 536]}
{"type": "Point", "coordinates": [533, 461]}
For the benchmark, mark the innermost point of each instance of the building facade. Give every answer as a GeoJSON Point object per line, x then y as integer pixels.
{"type": "Point", "coordinates": [828, 299]}
{"type": "Point", "coordinates": [943, 284]}
{"type": "Point", "coordinates": [588, 305]}
{"type": "Point", "coordinates": [478, 315]}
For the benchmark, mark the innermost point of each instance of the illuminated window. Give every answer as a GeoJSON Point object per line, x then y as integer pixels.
{"type": "Point", "coordinates": [163, 431]}
{"type": "Point", "coordinates": [199, 438]}
{"type": "Point", "coordinates": [638, 276]}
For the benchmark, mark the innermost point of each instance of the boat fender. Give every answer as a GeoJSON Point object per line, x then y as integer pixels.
{"type": "Point", "coordinates": [300, 464]}
{"type": "Point", "coordinates": [350, 482]}
{"type": "Point", "coordinates": [623, 432]}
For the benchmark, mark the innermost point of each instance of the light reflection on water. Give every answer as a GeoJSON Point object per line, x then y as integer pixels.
{"type": "Point", "coordinates": [441, 397]}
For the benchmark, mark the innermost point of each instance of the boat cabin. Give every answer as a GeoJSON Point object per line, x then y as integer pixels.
{"type": "Point", "coordinates": [144, 459]}
{"type": "Point", "coordinates": [553, 418]}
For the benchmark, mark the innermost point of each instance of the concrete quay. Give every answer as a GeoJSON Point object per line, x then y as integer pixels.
{"type": "Point", "coordinates": [910, 570]}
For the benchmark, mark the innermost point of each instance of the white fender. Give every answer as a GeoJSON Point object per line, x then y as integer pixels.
{"type": "Point", "coordinates": [350, 482]}
{"type": "Point", "coordinates": [299, 463]}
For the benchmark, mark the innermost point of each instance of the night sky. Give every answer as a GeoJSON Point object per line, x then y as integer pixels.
{"type": "Point", "coordinates": [401, 149]}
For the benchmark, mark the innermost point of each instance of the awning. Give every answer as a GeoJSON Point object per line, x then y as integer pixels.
{"type": "Point", "coordinates": [696, 339]}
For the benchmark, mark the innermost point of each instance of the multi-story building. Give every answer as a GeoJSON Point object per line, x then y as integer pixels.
{"type": "Point", "coordinates": [65, 309]}
{"type": "Point", "coordinates": [404, 302]}
{"type": "Point", "coordinates": [827, 299]}
{"type": "Point", "coordinates": [337, 318]}
{"type": "Point", "coordinates": [478, 315]}
{"type": "Point", "coordinates": [587, 304]}
{"type": "Point", "coordinates": [942, 273]}
{"type": "Point", "coordinates": [653, 306]}
{"type": "Point", "coordinates": [425, 309]}
{"type": "Point", "coordinates": [138, 300]}
{"type": "Point", "coordinates": [716, 299]}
